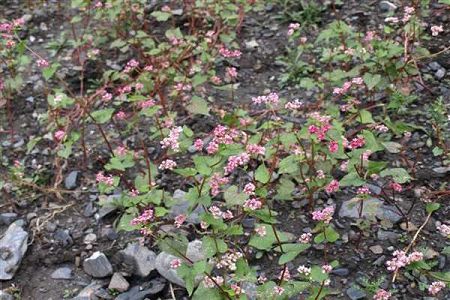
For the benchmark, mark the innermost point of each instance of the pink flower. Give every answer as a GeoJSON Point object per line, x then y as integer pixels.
{"type": "Point", "coordinates": [296, 104]}
{"type": "Point", "coordinates": [381, 128]}
{"type": "Point", "coordinates": [344, 166]}
{"type": "Point", "coordinates": [229, 53]}
{"type": "Point", "coordinates": [327, 268]}
{"type": "Point", "coordinates": [42, 63]}
{"type": "Point", "coordinates": [444, 229]}
{"type": "Point", "coordinates": [261, 230]}
{"type": "Point", "coordinates": [216, 212]}
{"type": "Point", "coordinates": [435, 30]}
{"type": "Point", "coordinates": [108, 180]}
{"type": "Point", "coordinates": [415, 256]}
{"type": "Point", "coordinates": [398, 261]}
{"type": "Point", "coordinates": [236, 289]}
{"type": "Point", "coordinates": [235, 161]}
{"type": "Point", "coordinates": [304, 270]}
{"type": "Point", "coordinates": [255, 149]}
{"type": "Point", "coordinates": [249, 189]}
{"type": "Point", "coordinates": [59, 135]}
{"type": "Point", "coordinates": [333, 146]}
{"type": "Point", "coordinates": [396, 186]}
{"type": "Point", "coordinates": [167, 164]}
{"type": "Point", "coordinates": [278, 290]}
{"type": "Point", "coordinates": [435, 287]}
{"type": "Point", "coordinates": [121, 115]}
{"type": "Point", "coordinates": [305, 238]}
{"type": "Point", "coordinates": [358, 80]}
{"type": "Point", "coordinates": [216, 80]}
{"type": "Point", "coordinates": [332, 187]}
{"type": "Point", "coordinates": [324, 215]}
{"type": "Point", "coordinates": [148, 103]}
{"type": "Point", "coordinates": [174, 264]}
{"type": "Point", "coordinates": [253, 204]}
{"type": "Point", "coordinates": [106, 96]}
{"type": "Point", "coordinates": [179, 220]}
{"type": "Point", "coordinates": [363, 191]}
{"type": "Point", "coordinates": [231, 72]}
{"type": "Point", "coordinates": [216, 182]}
{"type": "Point", "coordinates": [366, 154]}
{"type": "Point", "coordinates": [198, 145]}
{"type": "Point", "coordinates": [172, 140]}
{"type": "Point", "coordinates": [143, 219]}
{"type": "Point", "coordinates": [382, 295]}
{"type": "Point", "coordinates": [271, 98]}
{"type": "Point", "coordinates": [356, 143]}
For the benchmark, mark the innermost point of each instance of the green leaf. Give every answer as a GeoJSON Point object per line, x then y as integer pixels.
{"type": "Point", "coordinates": [202, 165]}
{"type": "Point", "coordinates": [432, 207]}
{"type": "Point", "coordinates": [125, 223]}
{"type": "Point", "coordinates": [31, 143]}
{"type": "Point", "coordinates": [288, 164]}
{"type": "Point", "coordinates": [262, 174]}
{"type": "Point", "coordinates": [392, 147]}
{"type": "Point", "coordinates": [371, 80]}
{"type": "Point", "coordinates": [50, 71]}
{"type": "Point", "coordinates": [103, 115]}
{"type": "Point", "coordinates": [186, 172]}
{"type": "Point", "coordinates": [366, 117]}
{"type": "Point", "coordinates": [198, 106]}
{"type": "Point", "coordinates": [291, 252]}
{"type": "Point", "coordinates": [351, 179]}
{"type": "Point", "coordinates": [331, 234]}
{"type": "Point", "coordinates": [161, 16]}
{"type": "Point", "coordinates": [233, 197]}
{"type": "Point", "coordinates": [199, 79]}
{"type": "Point", "coordinates": [399, 175]}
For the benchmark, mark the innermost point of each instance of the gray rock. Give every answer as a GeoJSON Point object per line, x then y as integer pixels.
{"type": "Point", "coordinates": [440, 74]}
{"type": "Point", "coordinates": [376, 249]}
{"type": "Point", "coordinates": [5, 296]}
{"type": "Point", "coordinates": [107, 206]}
{"type": "Point", "coordinates": [90, 238]}
{"type": "Point", "coordinates": [162, 264]}
{"type": "Point", "coordinates": [118, 283]}
{"type": "Point", "coordinates": [387, 235]}
{"type": "Point", "coordinates": [195, 251]}
{"type": "Point", "coordinates": [152, 287]}
{"type": "Point", "coordinates": [387, 6]}
{"type": "Point", "coordinates": [63, 237]}
{"type": "Point", "coordinates": [441, 170]}
{"type": "Point", "coordinates": [380, 261]}
{"type": "Point", "coordinates": [355, 293]}
{"type": "Point", "coordinates": [109, 233]}
{"type": "Point", "coordinates": [62, 273]}
{"type": "Point", "coordinates": [340, 272]}
{"type": "Point", "coordinates": [88, 293]}
{"type": "Point", "coordinates": [139, 258]}
{"type": "Point", "coordinates": [97, 265]}
{"type": "Point", "coordinates": [89, 209]}
{"type": "Point", "coordinates": [250, 290]}
{"type": "Point", "coordinates": [434, 66]}
{"type": "Point", "coordinates": [7, 218]}
{"type": "Point", "coordinates": [13, 246]}
{"type": "Point", "coordinates": [371, 207]}
{"type": "Point", "coordinates": [182, 205]}
{"type": "Point", "coordinates": [70, 182]}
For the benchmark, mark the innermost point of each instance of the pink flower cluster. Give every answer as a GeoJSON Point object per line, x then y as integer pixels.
{"type": "Point", "coordinates": [221, 135]}
{"type": "Point", "coordinates": [332, 187]}
{"type": "Point", "coordinates": [305, 238]}
{"type": "Point", "coordinates": [229, 53]}
{"type": "Point", "coordinates": [261, 231]}
{"type": "Point", "coordinates": [324, 215]}
{"type": "Point", "coordinates": [382, 295]}
{"type": "Point", "coordinates": [253, 204]}
{"type": "Point", "coordinates": [145, 218]}
{"type": "Point", "coordinates": [108, 180]}
{"type": "Point", "coordinates": [347, 85]}
{"type": "Point", "coordinates": [435, 30]}
{"type": "Point", "coordinates": [235, 161]}
{"type": "Point", "coordinates": [271, 98]}
{"type": "Point", "coordinates": [296, 104]}
{"type": "Point", "coordinates": [400, 259]}
{"type": "Point", "coordinates": [131, 65]}
{"type": "Point", "coordinates": [396, 186]}
{"type": "Point", "coordinates": [444, 229]}
{"type": "Point", "coordinates": [172, 140]}
{"type": "Point", "coordinates": [409, 10]}
{"type": "Point", "coordinates": [255, 149]}
{"type": "Point", "coordinates": [249, 189]}
{"type": "Point", "coordinates": [216, 182]}
{"type": "Point", "coordinates": [333, 146]}
{"type": "Point", "coordinates": [355, 143]}
{"type": "Point", "coordinates": [210, 283]}
{"type": "Point", "coordinates": [231, 72]}
{"type": "Point", "coordinates": [362, 191]}
{"type": "Point", "coordinates": [217, 213]}
{"type": "Point", "coordinates": [292, 28]}
{"type": "Point", "coordinates": [228, 260]}
{"type": "Point", "coordinates": [319, 132]}
{"type": "Point", "coordinates": [175, 264]}
{"type": "Point", "coordinates": [167, 164]}
{"type": "Point", "coordinates": [59, 135]}
{"type": "Point", "coordinates": [179, 220]}
{"type": "Point", "coordinates": [435, 287]}
{"type": "Point", "coordinates": [284, 275]}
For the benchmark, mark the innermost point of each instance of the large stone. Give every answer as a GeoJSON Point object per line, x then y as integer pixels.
{"type": "Point", "coordinates": [88, 293]}
{"type": "Point", "coordinates": [62, 273]}
{"type": "Point", "coordinates": [5, 296]}
{"type": "Point", "coordinates": [355, 293]}
{"type": "Point", "coordinates": [139, 258]}
{"type": "Point", "coordinates": [118, 283]}
{"type": "Point", "coordinates": [371, 207]}
{"type": "Point", "coordinates": [13, 246]}
{"type": "Point", "coordinates": [387, 6]}
{"type": "Point", "coordinates": [97, 265]}
{"type": "Point", "coordinates": [144, 290]}
{"type": "Point", "coordinates": [162, 264]}
{"type": "Point", "coordinates": [195, 251]}
{"type": "Point", "coordinates": [182, 205]}
{"type": "Point", "coordinates": [7, 218]}
{"type": "Point", "coordinates": [70, 182]}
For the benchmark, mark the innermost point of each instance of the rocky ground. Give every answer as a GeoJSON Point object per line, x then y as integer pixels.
{"type": "Point", "coordinates": [51, 249]}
